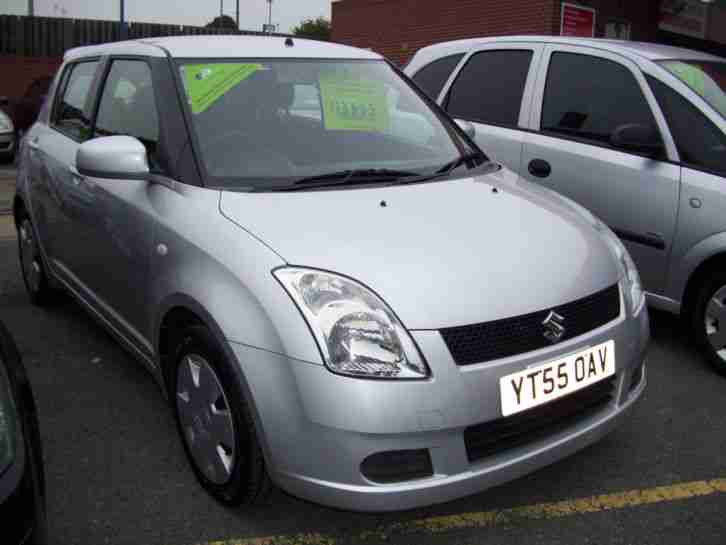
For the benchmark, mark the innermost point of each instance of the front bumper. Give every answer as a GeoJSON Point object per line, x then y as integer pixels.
{"type": "Point", "coordinates": [316, 428]}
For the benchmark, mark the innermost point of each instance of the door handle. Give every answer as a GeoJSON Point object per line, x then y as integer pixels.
{"type": "Point", "coordinates": [77, 176]}
{"type": "Point", "coordinates": [539, 168]}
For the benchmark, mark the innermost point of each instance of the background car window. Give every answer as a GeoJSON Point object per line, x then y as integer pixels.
{"type": "Point", "coordinates": [128, 106]}
{"type": "Point", "coordinates": [589, 97]}
{"type": "Point", "coordinates": [700, 143]}
{"type": "Point", "coordinates": [432, 77]}
{"type": "Point", "coordinates": [72, 116]}
{"type": "Point", "coordinates": [490, 87]}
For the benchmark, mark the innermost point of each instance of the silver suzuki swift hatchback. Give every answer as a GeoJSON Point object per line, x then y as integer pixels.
{"type": "Point", "coordinates": [335, 288]}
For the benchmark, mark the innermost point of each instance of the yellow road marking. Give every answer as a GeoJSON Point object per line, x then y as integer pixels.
{"type": "Point", "coordinates": [7, 227]}
{"type": "Point", "coordinates": [592, 504]}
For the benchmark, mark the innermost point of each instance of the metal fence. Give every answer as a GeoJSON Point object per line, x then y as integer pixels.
{"type": "Point", "coordinates": [51, 37]}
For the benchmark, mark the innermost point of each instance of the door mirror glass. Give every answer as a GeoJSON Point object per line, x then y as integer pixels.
{"type": "Point", "coordinates": [467, 127]}
{"type": "Point", "coordinates": [636, 137]}
{"type": "Point", "coordinates": [113, 157]}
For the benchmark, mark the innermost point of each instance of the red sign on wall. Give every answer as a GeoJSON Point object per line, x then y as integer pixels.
{"type": "Point", "coordinates": [577, 21]}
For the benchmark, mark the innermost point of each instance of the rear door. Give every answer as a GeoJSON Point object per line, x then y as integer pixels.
{"type": "Point", "coordinates": [582, 96]}
{"type": "Point", "coordinates": [493, 89]}
{"type": "Point", "coordinates": [59, 198]}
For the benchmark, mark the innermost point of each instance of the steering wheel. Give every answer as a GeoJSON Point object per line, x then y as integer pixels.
{"type": "Point", "coordinates": [252, 147]}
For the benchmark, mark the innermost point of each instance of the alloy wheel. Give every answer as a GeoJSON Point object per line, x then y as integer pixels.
{"type": "Point", "coordinates": [205, 418]}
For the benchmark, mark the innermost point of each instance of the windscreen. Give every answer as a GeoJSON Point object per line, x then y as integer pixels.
{"type": "Point", "coordinates": [708, 79]}
{"type": "Point", "coordinates": [265, 124]}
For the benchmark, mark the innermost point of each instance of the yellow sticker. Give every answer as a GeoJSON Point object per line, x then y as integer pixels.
{"type": "Point", "coordinates": [207, 83]}
{"type": "Point", "coordinates": [351, 104]}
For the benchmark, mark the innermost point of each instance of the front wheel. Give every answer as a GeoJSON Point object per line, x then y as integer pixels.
{"type": "Point", "coordinates": [214, 422]}
{"type": "Point", "coordinates": [708, 320]}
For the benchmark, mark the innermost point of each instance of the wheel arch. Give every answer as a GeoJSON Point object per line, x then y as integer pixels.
{"type": "Point", "coordinates": [689, 268]}
{"type": "Point", "coordinates": [181, 310]}
{"type": "Point", "coordinates": [695, 279]}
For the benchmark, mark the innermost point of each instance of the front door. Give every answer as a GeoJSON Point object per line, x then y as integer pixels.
{"type": "Point", "coordinates": [117, 256]}
{"type": "Point", "coordinates": [582, 96]}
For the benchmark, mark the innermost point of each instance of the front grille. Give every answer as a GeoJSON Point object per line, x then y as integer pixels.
{"type": "Point", "coordinates": [511, 336]}
{"type": "Point", "coordinates": [497, 436]}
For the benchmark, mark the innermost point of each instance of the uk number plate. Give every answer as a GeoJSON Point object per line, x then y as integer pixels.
{"type": "Point", "coordinates": [547, 382]}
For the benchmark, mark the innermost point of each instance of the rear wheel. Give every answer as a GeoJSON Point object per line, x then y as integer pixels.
{"type": "Point", "coordinates": [708, 320]}
{"type": "Point", "coordinates": [31, 264]}
{"type": "Point", "coordinates": [217, 430]}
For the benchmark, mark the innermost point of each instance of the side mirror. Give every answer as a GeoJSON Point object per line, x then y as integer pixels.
{"type": "Point", "coordinates": [638, 138]}
{"type": "Point", "coordinates": [113, 157]}
{"type": "Point", "coordinates": [467, 126]}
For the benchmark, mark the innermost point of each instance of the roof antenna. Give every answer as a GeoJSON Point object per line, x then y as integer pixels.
{"type": "Point", "coordinates": [289, 43]}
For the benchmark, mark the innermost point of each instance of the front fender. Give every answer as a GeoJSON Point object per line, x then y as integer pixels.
{"type": "Point", "coordinates": [682, 268]}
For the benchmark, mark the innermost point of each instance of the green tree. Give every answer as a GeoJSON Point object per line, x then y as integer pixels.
{"type": "Point", "coordinates": [223, 21]}
{"type": "Point", "coordinates": [317, 29]}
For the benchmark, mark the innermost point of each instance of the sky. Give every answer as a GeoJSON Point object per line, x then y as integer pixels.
{"type": "Point", "coordinates": [253, 13]}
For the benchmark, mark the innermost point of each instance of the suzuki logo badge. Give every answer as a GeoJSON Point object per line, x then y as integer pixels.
{"type": "Point", "coordinates": [554, 328]}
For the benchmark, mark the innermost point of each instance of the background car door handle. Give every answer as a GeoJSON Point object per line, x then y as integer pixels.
{"type": "Point", "coordinates": [539, 168]}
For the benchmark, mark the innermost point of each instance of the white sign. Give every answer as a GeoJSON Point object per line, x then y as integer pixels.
{"type": "Point", "coordinates": [683, 17]}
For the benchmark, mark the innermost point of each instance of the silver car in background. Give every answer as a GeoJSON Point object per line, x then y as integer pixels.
{"type": "Point", "coordinates": [348, 300]}
{"type": "Point", "coordinates": [634, 132]}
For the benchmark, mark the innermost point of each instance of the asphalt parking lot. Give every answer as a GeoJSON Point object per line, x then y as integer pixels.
{"type": "Point", "coordinates": [116, 473]}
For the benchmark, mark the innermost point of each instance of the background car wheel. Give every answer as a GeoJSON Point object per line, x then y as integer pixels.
{"type": "Point", "coordinates": [708, 320]}
{"type": "Point", "coordinates": [217, 430]}
{"type": "Point", "coordinates": [31, 264]}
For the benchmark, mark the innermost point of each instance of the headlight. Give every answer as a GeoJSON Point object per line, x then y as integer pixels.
{"type": "Point", "coordinates": [357, 333]}
{"type": "Point", "coordinates": [7, 421]}
{"type": "Point", "coordinates": [6, 124]}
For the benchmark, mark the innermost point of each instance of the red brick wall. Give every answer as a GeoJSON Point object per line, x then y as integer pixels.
{"type": "Point", "coordinates": [398, 28]}
{"type": "Point", "coordinates": [16, 72]}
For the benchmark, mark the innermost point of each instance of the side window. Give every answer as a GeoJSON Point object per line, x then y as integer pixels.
{"type": "Point", "coordinates": [128, 106]}
{"type": "Point", "coordinates": [700, 143]}
{"type": "Point", "coordinates": [71, 115]}
{"type": "Point", "coordinates": [589, 97]}
{"type": "Point", "coordinates": [490, 87]}
{"type": "Point", "coordinates": [432, 77]}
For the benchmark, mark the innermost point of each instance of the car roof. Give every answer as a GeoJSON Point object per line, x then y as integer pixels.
{"type": "Point", "coordinates": [225, 47]}
{"type": "Point", "coordinates": [636, 51]}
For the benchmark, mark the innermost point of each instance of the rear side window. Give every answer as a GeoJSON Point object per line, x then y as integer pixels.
{"type": "Point", "coordinates": [432, 77]}
{"type": "Point", "coordinates": [490, 87]}
{"type": "Point", "coordinates": [72, 115]}
{"type": "Point", "coordinates": [128, 106]}
{"type": "Point", "coordinates": [589, 97]}
{"type": "Point", "coordinates": [700, 143]}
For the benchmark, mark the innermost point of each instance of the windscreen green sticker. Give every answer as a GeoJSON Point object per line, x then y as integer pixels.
{"type": "Point", "coordinates": [691, 75]}
{"type": "Point", "coordinates": [207, 83]}
{"type": "Point", "coordinates": [351, 104]}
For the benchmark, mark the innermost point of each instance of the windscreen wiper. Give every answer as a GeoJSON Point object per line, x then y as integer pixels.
{"type": "Point", "coordinates": [349, 177]}
{"type": "Point", "coordinates": [449, 167]}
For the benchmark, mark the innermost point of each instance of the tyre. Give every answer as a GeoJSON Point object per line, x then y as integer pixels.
{"type": "Point", "coordinates": [214, 422]}
{"type": "Point", "coordinates": [35, 276]}
{"type": "Point", "coordinates": [708, 320]}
